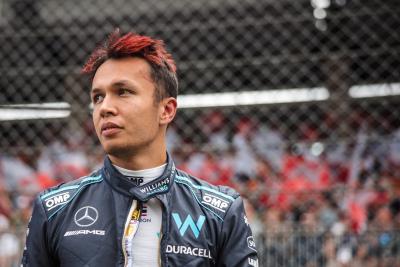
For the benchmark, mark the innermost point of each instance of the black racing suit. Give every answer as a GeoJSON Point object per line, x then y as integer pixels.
{"type": "Point", "coordinates": [82, 223]}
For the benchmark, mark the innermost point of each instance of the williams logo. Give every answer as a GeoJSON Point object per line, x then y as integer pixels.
{"type": "Point", "coordinates": [86, 216]}
{"type": "Point", "coordinates": [196, 227]}
{"type": "Point", "coordinates": [156, 187]}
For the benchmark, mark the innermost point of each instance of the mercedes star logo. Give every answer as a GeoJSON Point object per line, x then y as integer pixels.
{"type": "Point", "coordinates": [86, 216]}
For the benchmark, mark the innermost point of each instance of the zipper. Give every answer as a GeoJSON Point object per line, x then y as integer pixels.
{"type": "Point", "coordinates": [127, 222]}
{"type": "Point", "coordinates": [164, 229]}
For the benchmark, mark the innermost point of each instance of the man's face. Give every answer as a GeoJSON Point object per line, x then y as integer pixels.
{"type": "Point", "coordinates": [125, 114]}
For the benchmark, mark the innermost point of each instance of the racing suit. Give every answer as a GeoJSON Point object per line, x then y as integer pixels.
{"type": "Point", "coordinates": [82, 223]}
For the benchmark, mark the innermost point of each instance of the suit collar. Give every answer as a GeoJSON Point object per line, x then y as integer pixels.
{"type": "Point", "coordinates": [158, 186]}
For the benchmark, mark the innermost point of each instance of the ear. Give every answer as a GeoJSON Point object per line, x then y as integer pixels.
{"type": "Point", "coordinates": [168, 107]}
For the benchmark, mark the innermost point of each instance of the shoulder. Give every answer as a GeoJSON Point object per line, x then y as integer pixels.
{"type": "Point", "coordinates": [56, 198]}
{"type": "Point", "coordinates": [217, 199]}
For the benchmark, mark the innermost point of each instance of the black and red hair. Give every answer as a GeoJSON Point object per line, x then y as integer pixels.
{"type": "Point", "coordinates": [162, 65]}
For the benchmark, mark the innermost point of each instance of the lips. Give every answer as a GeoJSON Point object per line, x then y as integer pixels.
{"type": "Point", "coordinates": [109, 128]}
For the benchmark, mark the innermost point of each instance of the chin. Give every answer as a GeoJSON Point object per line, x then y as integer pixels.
{"type": "Point", "coordinates": [115, 149]}
{"type": "Point", "coordinates": [121, 150]}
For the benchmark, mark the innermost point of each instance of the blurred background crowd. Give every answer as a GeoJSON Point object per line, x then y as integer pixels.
{"type": "Point", "coordinates": [295, 104]}
{"type": "Point", "coordinates": [328, 203]}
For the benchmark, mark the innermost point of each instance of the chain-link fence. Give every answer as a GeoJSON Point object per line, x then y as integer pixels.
{"type": "Point", "coordinates": [294, 103]}
{"type": "Point", "coordinates": [316, 248]}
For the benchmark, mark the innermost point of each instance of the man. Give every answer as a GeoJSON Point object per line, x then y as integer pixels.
{"type": "Point", "coordinates": [138, 210]}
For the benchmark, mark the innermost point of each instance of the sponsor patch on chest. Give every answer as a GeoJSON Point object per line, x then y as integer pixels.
{"type": "Point", "coordinates": [85, 232]}
{"type": "Point", "coordinates": [188, 250]}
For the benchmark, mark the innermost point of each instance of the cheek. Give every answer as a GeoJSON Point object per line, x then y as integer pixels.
{"type": "Point", "coordinates": [145, 113]}
{"type": "Point", "coordinates": [95, 119]}
{"type": "Point", "coordinates": [154, 115]}
{"type": "Point", "coordinates": [144, 121]}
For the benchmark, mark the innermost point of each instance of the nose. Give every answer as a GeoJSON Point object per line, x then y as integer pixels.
{"type": "Point", "coordinates": [108, 107]}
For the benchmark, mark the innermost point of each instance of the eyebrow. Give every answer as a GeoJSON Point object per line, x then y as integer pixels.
{"type": "Point", "coordinates": [115, 84]}
{"type": "Point", "coordinates": [122, 82]}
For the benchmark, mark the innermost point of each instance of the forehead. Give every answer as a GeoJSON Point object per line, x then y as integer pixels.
{"type": "Point", "coordinates": [130, 69]}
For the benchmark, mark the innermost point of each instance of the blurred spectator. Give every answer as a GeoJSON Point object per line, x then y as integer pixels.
{"type": "Point", "coordinates": [341, 226]}
{"type": "Point", "coordinates": [173, 138]}
{"type": "Point", "coordinates": [214, 128]}
{"type": "Point", "coordinates": [268, 144]}
{"type": "Point", "coordinates": [328, 211]}
{"type": "Point", "coordinates": [9, 244]}
{"type": "Point", "coordinates": [275, 223]}
{"type": "Point", "coordinates": [308, 240]}
{"type": "Point", "coordinates": [244, 163]}
{"type": "Point", "coordinates": [361, 255]}
{"type": "Point", "coordinates": [208, 166]}
{"type": "Point", "coordinates": [329, 252]}
{"type": "Point", "coordinates": [265, 188]}
{"type": "Point", "coordinates": [66, 160]}
{"type": "Point", "coordinates": [5, 202]}
{"type": "Point", "coordinates": [394, 153]}
{"type": "Point", "coordinates": [301, 173]}
{"type": "Point", "coordinates": [19, 173]}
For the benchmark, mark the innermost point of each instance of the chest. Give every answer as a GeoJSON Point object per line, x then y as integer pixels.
{"type": "Point", "coordinates": [92, 234]}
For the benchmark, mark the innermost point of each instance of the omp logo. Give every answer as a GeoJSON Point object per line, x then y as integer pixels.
{"type": "Point", "coordinates": [196, 227]}
{"type": "Point", "coordinates": [215, 202]}
{"type": "Point", "coordinates": [57, 200]}
{"type": "Point", "coordinates": [136, 180]}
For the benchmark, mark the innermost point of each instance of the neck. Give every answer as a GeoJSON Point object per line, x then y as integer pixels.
{"type": "Point", "coordinates": [140, 160]}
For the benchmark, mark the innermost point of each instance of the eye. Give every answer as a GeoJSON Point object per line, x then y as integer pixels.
{"type": "Point", "coordinates": [97, 98]}
{"type": "Point", "coordinates": [124, 91]}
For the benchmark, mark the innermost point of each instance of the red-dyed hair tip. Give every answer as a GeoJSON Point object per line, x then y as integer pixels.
{"type": "Point", "coordinates": [130, 45]}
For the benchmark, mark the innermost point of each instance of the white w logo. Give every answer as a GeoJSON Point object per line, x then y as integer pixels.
{"type": "Point", "coordinates": [196, 227]}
